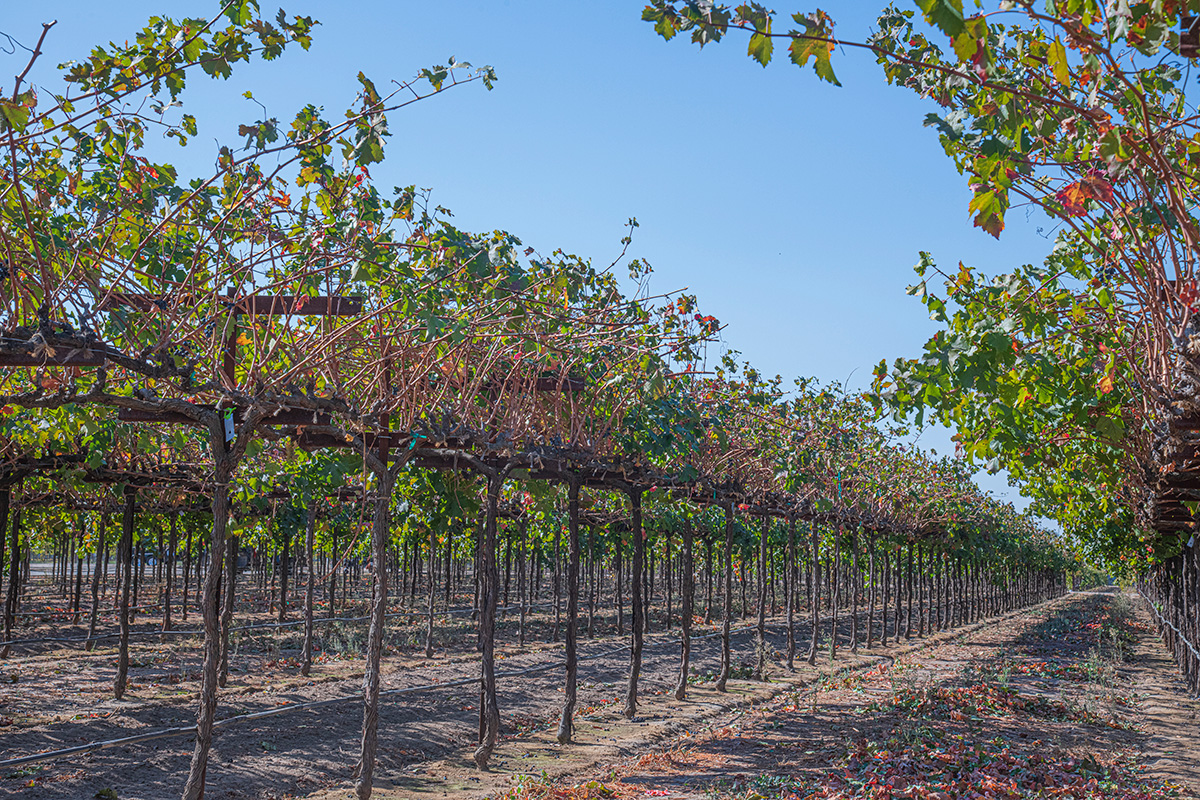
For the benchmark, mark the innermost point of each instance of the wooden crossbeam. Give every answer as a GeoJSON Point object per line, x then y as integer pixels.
{"type": "Point", "coordinates": [311, 440]}
{"type": "Point", "coordinates": [286, 417]}
{"type": "Point", "coordinates": [1180, 480]}
{"type": "Point", "coordinates": [1173, 511]}
{"type": "Point", "coordinates": [442, 463]}
{"type": "Point", "coordinates": [1188, 423]}
{"type": "Point", "coordinates": [1189, 36]}
{"type": "Point", "coordinates": [1174, 514]}
{"type": "Point", "coordinates": [137, 415]}
{"type": "Point", "coordinates": [61, 358]}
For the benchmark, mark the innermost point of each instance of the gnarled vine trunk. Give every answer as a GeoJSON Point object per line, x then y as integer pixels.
{"type": "Point", "coordinates": [723, 677]}
{"type": "Point", "coordinates": [790, 581]}
{"type": "Point", "coordinates": [14, 571]}
{"type": "Point", "coordinates": [815, 594]}
{"type": "Point", "coordinates": [380, 532]}
{"type": "Point", "coordinates": [835, 588]}
{"type": "Point", "coordinates": [432, 591]}
{"type": "Point", "coordinates": [686, 601]}
{"type": "Point", "coordinates": [760, 666]}
{"type": "Point", "coordinates": [854, 576]}
{"type": "Point", "coordinates": [566, 725]}
{"type": "Point", "coordinates": [310, 527]}
{"type": "Point", "coordinates": [228, 589]}
{"type": "Point", "coordinates": [78, 594]}
{"type": "Point", "coordinates": [211, 608]}
{"type": "Point", "coordinates": [489, 585]}
{"type": "Point", "coordinates": [169, 583]}
{"type": "Point", "coordinates": [127, 520]}
{"type": "Point", "coordinates": [98, 568]}
{"type": "Point", "coordinates": [637, 609]}
{"type": "Point", "coordinates": [871, 590]}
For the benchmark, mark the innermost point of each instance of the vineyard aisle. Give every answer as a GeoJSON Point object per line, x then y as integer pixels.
{"type": "Point", "coordinates": [1076, 694]}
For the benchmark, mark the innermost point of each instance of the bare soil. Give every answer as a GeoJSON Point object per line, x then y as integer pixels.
{"type": "Point", "coordinates": [765, 738]}
{"type": "Point", "coordinates": [1076, 699]}
{"type": "Point", "coordinates": [54, 696]}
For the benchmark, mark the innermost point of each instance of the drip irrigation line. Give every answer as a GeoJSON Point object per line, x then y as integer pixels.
{"type": "Point", "coordinates": [189, 730]}
{"type": "Point", "coordinates": [69, 613]}
{"type": "Point", "coordinates": [1182, 637]}
{"type": "Point", "coordinates": [263, 626]}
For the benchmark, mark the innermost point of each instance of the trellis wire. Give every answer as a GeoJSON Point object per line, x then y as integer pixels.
{"type": "Point", "coordinates": [1164, 622]}
{"type": "Point", "coordinates": [263, 626]}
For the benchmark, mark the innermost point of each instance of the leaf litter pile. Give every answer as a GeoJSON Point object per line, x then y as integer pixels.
{"type": "Point", "coordinates": [1040, 706]}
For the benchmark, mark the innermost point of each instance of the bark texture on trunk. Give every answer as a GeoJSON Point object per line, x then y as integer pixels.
{"type": "Point", "coordinates": [723, 677]}
{"type": "Point", "coordinates": [228, 588]}
{"type": "Point", "coordinates": [14, 570]}
{"type": "Point", "coordinates": [760, 665]}
{"type": "Point", "coordinates": [97, 570]}
{"type": "Point", "coordinates": [210, 605]}
{"type": "Point", "coordinates": [854, 576]}
{"type": "Point", "coordinates": [169, 567]}
{"type": "Point", "coordinates": [790, 575]}
{"type": "Point", "coordinates": [284, 573]}
{"type": "Point", "coordinates": [75, 604]}
{"type": "Point", "coordinates": [310, 528]}
{"type": "Point", "coordinates": [432, 593]}
{"type": "Point", "coordinates": [686, 601]}
{"type": "Point", "coordinates": [187, 575]}
{"type": "Point", "coordinates": [127, 519]}
{"type": "Point", "coordinates": [835, 588]}
{"type": "Point", "coordinates": [381, 524]}
{"type": "Point", "coordinates": [815, 598]}
{"type": "Point", "coordinates": [489, 585]}
{"type": "Point", "coordinates": [637, 609]}
{"type": "Point", "coordinates": [566, 725]}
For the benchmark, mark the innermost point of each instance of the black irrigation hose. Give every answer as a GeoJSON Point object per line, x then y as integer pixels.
{"type": "Point", "coordinates": [189, 730]}
{"type": "Point", "coordinates": [263, 626]}
{"type": "Point", "coordinates": [69, 613]}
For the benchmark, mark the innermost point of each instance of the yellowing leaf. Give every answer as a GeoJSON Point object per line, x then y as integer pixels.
{"type": "Point", "coordinates": [815, 42]}
{"type": "Point", "coordinates": [760, 48]}
{"type": "Point", "coordinates": [1057, 56]}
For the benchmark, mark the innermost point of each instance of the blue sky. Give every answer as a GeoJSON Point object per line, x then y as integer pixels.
{"type": "Point", "coordinates": [793, 208]}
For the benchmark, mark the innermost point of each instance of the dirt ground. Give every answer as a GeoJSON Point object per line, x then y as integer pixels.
{"type": "Point", "coordinates": [1076, 699]}
{"type": "Point", "coordinates": [54, 696]}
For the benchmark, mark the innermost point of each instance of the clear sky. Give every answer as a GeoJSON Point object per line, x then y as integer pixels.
{"type": "Point", "coordinates": [793, 208]}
